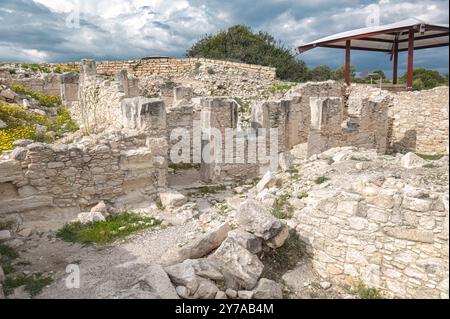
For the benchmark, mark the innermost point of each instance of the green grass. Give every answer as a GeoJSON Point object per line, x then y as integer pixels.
{"type": "Point", "coordinates": [364, 292]}
{"type": "Point", "coordinates": [429, 157]}
{"type": "Point", "coordinates": [8, 255]}
{"type": "Point", "coordinates": [33, 283]}
{"type": "Point", "coordinates": [282, 87]}
{"type": "Point", "coordinates": [282, 209]}
{"type": "Point", "coordinates": [321, 179]}
{"type": "Point", "coordinates": [108, 231]}
{"type": "Point", "coordinates": [44, 100]}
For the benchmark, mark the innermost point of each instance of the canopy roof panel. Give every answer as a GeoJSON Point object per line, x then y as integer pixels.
{"type": "Point", "coordinates": [382, 38]}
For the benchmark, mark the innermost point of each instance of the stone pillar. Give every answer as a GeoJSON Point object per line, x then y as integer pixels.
{"type": "Point", "coordinates": [144, 114]}
{"type": "Point", "coordinates": [122, 79]}
{"type": "Point", "coordinates": [218, 114]}
{"type": "Point", "coordinates": [88, 68]}
{"type": "Point", "coordinates": [69, 87]}
{"type": "Point", "coordinates": [182, 94]}
{"type": "Point", "coordinates": [325, 128]}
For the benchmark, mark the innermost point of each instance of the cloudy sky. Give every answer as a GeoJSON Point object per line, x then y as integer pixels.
{"type": "Point", "coordinates": [68, 30]}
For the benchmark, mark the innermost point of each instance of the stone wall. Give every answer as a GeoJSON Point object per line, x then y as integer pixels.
{"type": "Point", "coordinates": [48, 85]}
{"type": "Point", "coordinates": [148, 67]}
{"type": "Point", "coordinates": [420, 121]}
{"type": "Point", "coordinates": [384, 232]}
{"type": "Point", "coordinates": [55, 182]}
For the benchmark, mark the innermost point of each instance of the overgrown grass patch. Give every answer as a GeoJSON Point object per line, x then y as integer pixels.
{"type": "Point", "coordinates": [33, 283]}
{"type": "Point", "coordinates": [108, 231]}
{"type": "Point", "coordinates": [21, 124]}
{"type": "Point", "coordinates": [321, 179]}
{"type": "Point", "coordinates": [361, 290]}
{"type": "Point", "coordinates": [44, 100]}
{"type": "Point", "coordinates": [430, 157]}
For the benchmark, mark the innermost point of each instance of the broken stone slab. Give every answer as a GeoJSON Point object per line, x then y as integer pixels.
{"type": "Point", "coordinates": [5, 234]}
{"type": "Point", "coordinates": [285, 160]}
{"type": "Point", "coordinates": [279, 240]}
{"type": "Point", "coordinates": [157, 281]}
{"type": "Point", "coordinates": [266, 198]}
{"type": "Point", "coordinates": [267, 289]}
{"type": "Point", "coordinates": [411, 160]}
{"type": "Point", "coordinates": [267, 181]}
{"type": "Point", "coordinates": [249, 241]}
{"type": "Point", "coordinates": [91, 217]}
{"type": "Point", "coordinates": [172, 198]}
{"type": "Point", "coordinates": [183, 292]}
{"type": "Point", "coordinates": [183, 276]}
{"type": "Point", "coordinates": [22, 143]}
{"type": "Point", "coordinates": [133, 294]}
{"type": "Point", "coordinates": [237, 264]}
{"type": "Point", "coordinates": [256, 219]}
{"type": "Point", "coordinates": [197, 248]}
{"type": "Point", "coordinates": [26, 232]}
{"type": "Point", "coordinates": [10, 171]}
{"type": "Point", "coordinates": [422, 236]}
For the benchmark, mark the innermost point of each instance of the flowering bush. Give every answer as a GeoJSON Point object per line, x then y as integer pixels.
{"type": "Point", "coordinates": [44, 100]}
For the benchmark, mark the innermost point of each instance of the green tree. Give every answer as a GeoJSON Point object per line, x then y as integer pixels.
{"type": "Point", "coordinates": [240, 44]}
{"type": "Point", "coordinates": [320, 73]}
{"type": "Point", "coordinates": [381, 73]}
{"type": "Point", "coordinates": [424, 79]}
{"type": "Point", "coordinates": [339, 73]}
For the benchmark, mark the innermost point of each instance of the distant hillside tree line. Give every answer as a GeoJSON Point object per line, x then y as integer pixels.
{"type": "Point", "coordinates": [240, 44]}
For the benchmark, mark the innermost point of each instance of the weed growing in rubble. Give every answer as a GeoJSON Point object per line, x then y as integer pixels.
{"type": "Point", "coordinates": [7, 256]}
{"type": "Point", "coordinates": [44, 100]}
{"type": "Point", "coordinates": [108, 231]}
{"type": "Point", "coordinates": [321, 179]}
{"type": "Point", "coordinates": [33, 284]}
{"type": "Point", "coordinates": [282, 209]}
{"type": "Point", "coordinates": [363, 292]}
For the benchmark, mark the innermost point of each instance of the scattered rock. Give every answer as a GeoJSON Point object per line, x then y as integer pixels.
{"type": "Point", "coordinates": [250, 242]}
{"type": "Point", "coordinates": [157, 281]}
{"type": "Point", "coordinates": [237, 264]}
{"type": "Point", "coordinates": [2, 124]}
{"type": "Point", "coordinates": [232, 294]}
{"type": "Point", "coordinates": [172, 198]}
{"type": "Point", "coordinates": [22, 143]}
{"type": "Point", "coordinates": [411, 160]}
{"type": "Point", "coordinates": [254, 218]}
{"type": "Point", "coordinates": [100, 208]}
{"type": "Point", "coordinates": [20, 293]}
{"type": "Point", "coordinates": [266, 198]}
{"type": "Point", "coordinates": [279, 240]}
{"type": "Point", "coordinates": [5, 234]}
{"type": "Point", "coordinates": [221, 295]}
{"type": "Point", "coordinates": [197, 248]}
{"type": "Point", "coordinates": [267, 289]}
{"type": "Point", "coordinates": [2, 294]}
{"type": "Point", "coordinates": [285, 160]}
{"type": "Point", "coordinates": [206, 289]}
{"type": "Point", "coordinates": [183, 292]}
{"type": "Point", "coordinates": [325, 285]}
{"type": "Point", "coordinates": [267, 181]}
{"type": "Point", "coordinates": [2, 274]}
{"type": "Point", "coordinates": [26, 232]}
{"type": "Point", "coordinates": [91, 217]}
{"type": "Point", "coordinates": [245, 294]}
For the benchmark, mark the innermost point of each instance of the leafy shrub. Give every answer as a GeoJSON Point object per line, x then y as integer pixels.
{"type": "Point", "coordinates": [321, 179]}
{"type": "Point", "coordinates": [239, 43]}
{"type": "Point", "coordinates": [364, 292]}
{"type": "Point", "coordinates": [33, 283]}
{"type": "Point", "coordinates": [424, 79]}
{"type": "Point", "coordinates": [63, 68]}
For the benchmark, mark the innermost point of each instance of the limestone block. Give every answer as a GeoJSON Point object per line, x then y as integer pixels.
{"type": "Point", "coordinates": [423, 236]}
{"type": "Point", "coordinates": [411, 160]}
{"type": "Point", "coordinates": [19, 205]}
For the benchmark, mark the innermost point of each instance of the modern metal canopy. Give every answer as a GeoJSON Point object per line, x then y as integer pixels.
{"type": "Point", "coordinates": [407, 35]}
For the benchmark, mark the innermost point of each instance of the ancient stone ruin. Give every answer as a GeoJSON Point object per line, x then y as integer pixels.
{"type": "Point", "coordinates": [334, 169]}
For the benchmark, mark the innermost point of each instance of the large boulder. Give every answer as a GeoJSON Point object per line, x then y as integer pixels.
{"type": "Point", "coordinates": [240, 267]}
{"type": "Point", "coordinates": [172, 198]}
{"type": "Point", "coordinates": [411, 160]}
{"type": "Point", "coordinates": [279, 240]}
{"type": "Point", "coordinates": [267, 289]}
{"type": "Point", "coordinates": [157, 281]}
{"type": "Point", "coordinates": [198, 248]}
{"type": "Point", "coordinates": [256, 219]}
